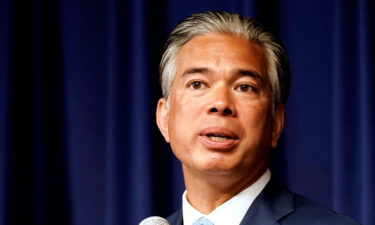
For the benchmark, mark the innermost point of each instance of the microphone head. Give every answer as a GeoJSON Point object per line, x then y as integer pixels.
{"type": "Point", "coordinates": [154, 220]}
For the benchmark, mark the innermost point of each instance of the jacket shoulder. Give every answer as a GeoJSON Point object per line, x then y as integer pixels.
{"type": "Point", "coordinates": [310, 212]}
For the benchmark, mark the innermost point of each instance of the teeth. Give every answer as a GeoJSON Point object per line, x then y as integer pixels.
{"type": "Point", "coordinates": [216, 138]}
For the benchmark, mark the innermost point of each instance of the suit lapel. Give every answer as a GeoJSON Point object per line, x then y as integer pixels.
{"type": "Point", "coordinates": [272, 204]}
{"type": "Point", "coordinates": [175, 218]}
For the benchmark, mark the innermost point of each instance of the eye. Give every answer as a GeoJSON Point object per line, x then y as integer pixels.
{"type": "Point", "coordinates": [196, 84]}
{"type": "Point", "coordinates": [245, 88]}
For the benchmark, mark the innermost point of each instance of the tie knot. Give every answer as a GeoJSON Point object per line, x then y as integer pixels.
{"type": "Point", "coordinates": [203, 221]}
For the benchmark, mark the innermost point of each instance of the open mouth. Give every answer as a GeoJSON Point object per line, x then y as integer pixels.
{"type": "Point", "coordinates": [219, 137]}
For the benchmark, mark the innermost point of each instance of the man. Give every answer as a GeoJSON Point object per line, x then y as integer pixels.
{"type": "Point", "coordinates": [225, 82]}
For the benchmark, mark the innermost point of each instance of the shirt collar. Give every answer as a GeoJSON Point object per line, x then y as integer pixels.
{"type": "Point", "coordinates": [231, 211]}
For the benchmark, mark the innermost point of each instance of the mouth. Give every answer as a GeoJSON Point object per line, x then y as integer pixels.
{"type": "Point", "coordinates": [219, 138]}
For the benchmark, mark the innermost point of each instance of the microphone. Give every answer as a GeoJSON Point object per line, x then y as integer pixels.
{"type": "Point", "coordinates": [154, 220]}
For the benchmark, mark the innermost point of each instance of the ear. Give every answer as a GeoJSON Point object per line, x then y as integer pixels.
{"type": "Point", "coordinates": [162, 117]}
{"type": "Point", "coordinates": [278, 124]}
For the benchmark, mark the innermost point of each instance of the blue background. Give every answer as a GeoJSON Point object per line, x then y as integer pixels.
{"type": "Point", "coordinates": [79, 87]}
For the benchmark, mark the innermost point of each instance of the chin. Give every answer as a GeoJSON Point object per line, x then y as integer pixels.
{"type": "Point", "coordinates": [216, 168]}
{"type": "Point", "coordinates": [217, 172]}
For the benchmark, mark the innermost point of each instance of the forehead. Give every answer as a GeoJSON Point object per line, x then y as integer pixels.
{"type": "Point", "coordinates": [221, 52]}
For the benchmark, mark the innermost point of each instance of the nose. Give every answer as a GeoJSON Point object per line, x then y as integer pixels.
{"type": "Point", "coordinates": [222, 103]}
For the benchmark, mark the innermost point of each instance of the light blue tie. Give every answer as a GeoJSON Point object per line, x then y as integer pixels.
{"type": "Point", "coordinates": [203, 221]}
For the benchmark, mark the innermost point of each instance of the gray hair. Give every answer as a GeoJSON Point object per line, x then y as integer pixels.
{"type": "Point", "coordinates": [228, 24]}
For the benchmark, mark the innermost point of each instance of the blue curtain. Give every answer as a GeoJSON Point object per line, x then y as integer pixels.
{"type": "Point", "coordinates": [78, 91]}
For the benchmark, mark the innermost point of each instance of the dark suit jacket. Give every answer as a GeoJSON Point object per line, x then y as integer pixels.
{"type": "Point", "coordinates": [277, 205]}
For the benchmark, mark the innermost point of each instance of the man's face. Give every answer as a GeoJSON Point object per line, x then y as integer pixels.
{"type": "Point", "coordinates": [220, 117]}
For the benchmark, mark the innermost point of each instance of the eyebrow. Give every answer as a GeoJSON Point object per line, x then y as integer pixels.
{"type": "Point", "coordinates": [249, 73]}
{"type": "Point", "coordinates": [201, 70]}
{"type": "Point", "coordinates": [239, 72]}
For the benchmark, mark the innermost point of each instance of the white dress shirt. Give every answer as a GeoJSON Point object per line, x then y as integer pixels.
{"type": "Point", "coordinates": [230, 212]}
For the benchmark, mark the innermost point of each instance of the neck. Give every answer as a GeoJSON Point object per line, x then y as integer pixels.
{"type": "Point", "coordinates": [206, 192]}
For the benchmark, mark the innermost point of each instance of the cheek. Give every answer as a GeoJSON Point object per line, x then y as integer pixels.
{"type": "Point", "coordinates": [181, 132]}
{"type": "Point", "coordinates": [182, 120]}
{"type": "Point", "coordinates": [257, 122]}
{"type": "Point", "coordinates": [187, 107]}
